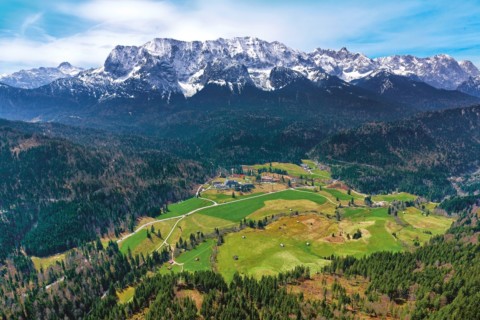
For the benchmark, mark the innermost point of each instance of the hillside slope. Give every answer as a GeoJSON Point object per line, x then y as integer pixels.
{"type": "Point", "coordinates": [416, 155]}
{"type": "Point", "coordinates": [55, 193]}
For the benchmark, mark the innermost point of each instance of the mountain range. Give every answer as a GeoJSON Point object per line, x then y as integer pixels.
{"type": "Point", "coordinates": [164, 77]}
{"type": "Point", "coordinates": [173, 66]}
{"type": "Point", "coordinates": [34, 78]}
{"type": "Point", "coordinates": [245, 100]}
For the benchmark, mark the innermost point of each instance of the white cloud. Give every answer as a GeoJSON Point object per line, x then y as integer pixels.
{"type": "Point", "coordinates": [301, 25]}
{"type": "Point", "coordinates": [30, 21]}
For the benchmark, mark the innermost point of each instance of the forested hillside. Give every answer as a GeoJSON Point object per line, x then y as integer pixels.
{"type": "Point", "coordinates": [436, 281]}
{"type": "Point", "coordinates": [417, 155]}
{"type": "Point", "coordinates": [56, 194]}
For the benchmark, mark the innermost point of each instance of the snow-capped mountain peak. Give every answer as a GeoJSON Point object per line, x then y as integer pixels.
{"type": "Point", "coordinates": [68, 69]}
{"type": "Point", "coordinates": [440, 71]}
{"type": "Point", "coordinates": [165, 66]}
{"type": "Point", "coordinates": [343, 63]}
{"type": "Point", "coordinates": [34, 78]}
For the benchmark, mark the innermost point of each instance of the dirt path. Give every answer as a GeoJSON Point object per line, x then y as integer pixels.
{"type": "Point", "coordinates": [206, 207]}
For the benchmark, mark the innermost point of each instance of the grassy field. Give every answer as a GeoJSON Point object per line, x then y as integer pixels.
{"type": "Point", "coordinates": [46, 262]}
{"type": "Point", "coordinates": [140, 243]}
{"type": "Point", "coordinates": [286, 206]}
{"type": "Point", "coordinates": [126, 295]}
{"type": "Point", "coordinates": [226, 195]}
{"type": "Point", "coordinates": [198, 223]}
{"type": "Point", "coordinates": [341, 194]}
{"type": "Point", "coordinates": [220, 197]}
{"type": "Point", "coordinates": [321, 173]}
{"type": "Point", "coordinates": [306, 239]}
{"type": "Point", "coordinates": [260, 252]}
{"type": "Point", "coordinates": [295, 170]}
{"type": "Point", "coordinates": [241, 209]}
{"type": "Point", "coordinates": [433, 223]}
{"type": "Point", "coordinates": [181, 208]}
{"type": "Point", "coordinates": [292, 169]}
{"type": "Point", "coordinates": [401, 196]}
{"type": "Point", "coordinates": [202, 252]}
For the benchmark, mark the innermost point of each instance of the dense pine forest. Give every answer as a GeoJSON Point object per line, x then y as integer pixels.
{"type": "Point", "coordinates": [57, 194]}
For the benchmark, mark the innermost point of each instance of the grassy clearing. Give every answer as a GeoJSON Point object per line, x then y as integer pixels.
{"type": "Point", "coordinates": [341, 194]}
{"type": "Point", "coordinates": [222, 196]}
{"type": "Point", "coordinates": [226, 195]}
{"type": "Point", "coordinates": [140, 243]}
{"type": "Point", "coordinates": [198, 223]}
{"type": "Point", "coordinates": [198, 259]}
{"type": "Point", "coordinates": [195, 295]}
{"type": "Point", "coordinates": [402, 196]}
{"type": "Point", "coordinates": [295, 170]}
{"type": "Point", "coordinates": [260, 252]}
{"type": "Point", "coordinates": [292, 240]}
{"type": "Point", "coordinates": [241, 209]}
{"type": "Point", "coordinates": [286, 206]}
{"type": "Point", "coordinates": [126, 295]}
{"type": "Point", "coordinates": [322, 173]}
{"type": "Point", "coordinates": [181, 208]}
{"type": "Point", "coordinates": [218, 196]}
{"type": "Point", "coordinates": [292, 169]}
{"type": "Point", "coordinates": [433, 223]}
{"type": "Point", "coordinates": [431, 206]}
{"type": "Point", "coordinates": [46, 262]}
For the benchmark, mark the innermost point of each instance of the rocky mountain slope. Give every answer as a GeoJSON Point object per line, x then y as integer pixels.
{"type": "Point", "coordinates": [34, 78]}
{"type": "Point", "coordinates": [172, 66]}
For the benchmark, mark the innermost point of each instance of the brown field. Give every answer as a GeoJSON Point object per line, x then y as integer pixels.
{"type": "Point", "coordinates": [196, 296]}
{"type": "Point", "coordinates": [313, 289]}
{"type": "Point", "coordinates": [320, 287]}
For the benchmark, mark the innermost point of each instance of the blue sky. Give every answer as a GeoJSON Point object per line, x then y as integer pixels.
{"type": "Point", "coordinates": [45, 33]}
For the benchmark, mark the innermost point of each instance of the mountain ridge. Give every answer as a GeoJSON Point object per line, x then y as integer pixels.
{"type": "Point", "coordinates": [35, 78]}
{"type": "Point", "coordinates": [171, 65]}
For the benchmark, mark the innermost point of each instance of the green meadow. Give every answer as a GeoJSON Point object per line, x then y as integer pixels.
{"type": "Point", "coordinates": [241, 209]}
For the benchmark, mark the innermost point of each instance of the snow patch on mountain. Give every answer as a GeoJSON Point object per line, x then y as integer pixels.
{"type": "Point", "coordinates": [440, 71]}
{"type": "Point", "coordinates": [35, 78]}
{"type": "Point", "coordinates": [471, 86]}
{"type": "Point", "coordinates": [170, 66]}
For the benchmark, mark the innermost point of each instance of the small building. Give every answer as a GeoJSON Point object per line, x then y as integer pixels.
{"type": "Point", "coordinates": [269, 179]}
{"type": "Point", "coordinates": [380, 204]}
{"type": "Point", "coordinates": [246, 187]}
{"type": "Point", "coordinates": [231, 184]}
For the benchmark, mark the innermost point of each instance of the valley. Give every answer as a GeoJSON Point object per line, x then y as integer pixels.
{"type": "Point", "coordinates": [240, 179]}
{"type": "Point", "coordinates": [279, 225]}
